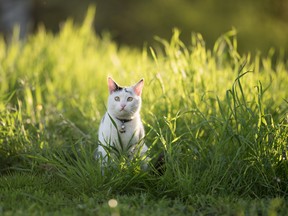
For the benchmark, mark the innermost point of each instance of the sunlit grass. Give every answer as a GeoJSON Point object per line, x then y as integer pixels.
{"type": "Point", "coordinates": [220, 119]}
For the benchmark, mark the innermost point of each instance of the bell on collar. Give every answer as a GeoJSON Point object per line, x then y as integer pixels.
{"type": "Point", "coordinates": [122, 130]}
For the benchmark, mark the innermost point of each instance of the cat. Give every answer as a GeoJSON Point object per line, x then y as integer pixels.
{"type": "Point", "coordinates": [121, 131]}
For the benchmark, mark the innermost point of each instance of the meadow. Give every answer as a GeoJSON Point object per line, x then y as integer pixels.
{"type": "Point", "coordinates": [221, 120]}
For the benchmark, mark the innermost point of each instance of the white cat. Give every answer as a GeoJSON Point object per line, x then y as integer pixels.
{"type": "Point", "coordinates": [121, 131]}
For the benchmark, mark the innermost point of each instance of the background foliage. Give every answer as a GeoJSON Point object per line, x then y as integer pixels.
{"type": "Point", "coordinates": [261, 24]}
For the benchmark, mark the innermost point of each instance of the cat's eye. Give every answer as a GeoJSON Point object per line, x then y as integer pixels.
{"type": "Point", "coordinates": [117, 98]}
{"type": "Point", "coordinates": [129, 99]}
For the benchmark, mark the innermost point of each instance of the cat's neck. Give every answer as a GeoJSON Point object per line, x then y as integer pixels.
{"type": "Point", "coordinates": [125, 119]}
{"type": "Point", "coordinates": [124, 122]}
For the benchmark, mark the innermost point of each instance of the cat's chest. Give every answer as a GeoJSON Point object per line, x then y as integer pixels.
{"type": "Point", "coordinates": [126, 135]}
{"type": "Point", "coordinates": [127, 130]}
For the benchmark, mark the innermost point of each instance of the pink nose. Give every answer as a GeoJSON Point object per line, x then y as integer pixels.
{"type": "Point", "coordinates": [123, 106]}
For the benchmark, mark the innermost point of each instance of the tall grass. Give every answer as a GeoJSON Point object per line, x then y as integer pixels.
{"type": "Point", "coordinates": [220, 118]}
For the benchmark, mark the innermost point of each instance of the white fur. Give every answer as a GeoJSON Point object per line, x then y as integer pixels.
{"type": "Point", "coordinates": [122, 108]}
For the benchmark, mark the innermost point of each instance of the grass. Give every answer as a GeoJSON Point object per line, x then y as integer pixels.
{"type": "Point", "coordinates": [220, 119]}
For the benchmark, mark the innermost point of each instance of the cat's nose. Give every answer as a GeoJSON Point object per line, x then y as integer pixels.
{"type": "Point", "coordinates": [122, 107]}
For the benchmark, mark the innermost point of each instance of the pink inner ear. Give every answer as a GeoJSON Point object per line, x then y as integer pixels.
{"type": "Point", "coordinates": [138, 87]}
{"type": "Point", "coordinates": [111, 85]}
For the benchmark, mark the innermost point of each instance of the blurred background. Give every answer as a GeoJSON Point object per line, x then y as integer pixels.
{"type": "Point", "coordinates": [261, 24]}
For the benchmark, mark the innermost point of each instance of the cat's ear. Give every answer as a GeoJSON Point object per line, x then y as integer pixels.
{"type": "Point", "coordinates": [112, 85]}
{"type": "Point", "coordinates": [138, 87]}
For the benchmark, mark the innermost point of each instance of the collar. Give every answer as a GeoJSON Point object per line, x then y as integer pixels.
{"type": "Point", "coordinates": [119, 119]}
{"type": "Point", "coordinates": [124, 120]}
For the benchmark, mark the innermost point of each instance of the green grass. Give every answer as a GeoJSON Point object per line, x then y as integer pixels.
{"type": "Point", "coordinates": [220, 119]}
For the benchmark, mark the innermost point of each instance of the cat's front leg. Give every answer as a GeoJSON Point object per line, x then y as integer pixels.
{"type": "Point", "coordinates": [140, 151]}
{"type": "Point", "coordinates": [101, 156]}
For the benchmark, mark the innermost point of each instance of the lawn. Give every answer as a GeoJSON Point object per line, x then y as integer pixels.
{"type": "Point", "coordinates": [220, 119]}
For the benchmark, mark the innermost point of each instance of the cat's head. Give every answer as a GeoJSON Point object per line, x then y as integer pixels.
{"type": "Point", "coordinates": [124, 102]}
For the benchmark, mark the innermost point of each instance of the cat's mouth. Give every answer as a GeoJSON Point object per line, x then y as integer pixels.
{"type": "Point", "coordinates": [123, 113]}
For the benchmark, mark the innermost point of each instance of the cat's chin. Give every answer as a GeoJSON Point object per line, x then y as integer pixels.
{"type": "Point", "coordinates": [121, 115]}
